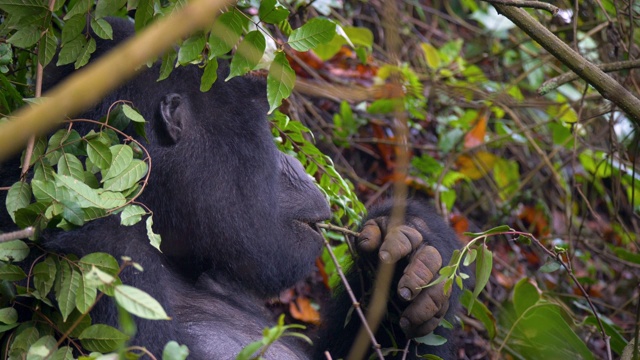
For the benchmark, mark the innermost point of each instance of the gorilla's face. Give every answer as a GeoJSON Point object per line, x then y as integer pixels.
{"type": "Point", "coordinates": [215, 152]}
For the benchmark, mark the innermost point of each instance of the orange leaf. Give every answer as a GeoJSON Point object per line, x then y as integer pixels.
{"type": "Point", "coordinates": [476, 135]}
{"type": "Point", "coordinates": [302, 310]}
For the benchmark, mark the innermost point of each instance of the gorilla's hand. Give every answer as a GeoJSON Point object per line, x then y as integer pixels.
{"type": "Point", "coordinates": [427, 306]}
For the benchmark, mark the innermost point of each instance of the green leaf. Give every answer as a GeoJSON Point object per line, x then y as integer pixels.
{"type": "Point", "coordinates": [139, 303]}
{"type": "Point", "coordinates": [280, 81]}
{"type": "Point", "coordinates": [11, 273]}
{"type": "Point", "coordinates": [479, 311]}
{"type": "Point", "coordinates": [14, 250]}
{"type": "Point", "coordinates": [85, 296]}
{"type": "Point", "coordinates": [550, 266]}
{"type": "Point", "coordinates": [18, 197]}
{"type": "Point", "coordinates": [64, 353]}
{"type": "Point", "coordinates": [128, 177]}
{"type": "Point", "coordinates": [43, 348]}
{"type": "Point", "coordinates": [73, 28]}
{"type": "Point", "coordinates": [86, 196]}
{"type": "Point", "coordinates": [71, 51]}
{"type": "Point", "coordinates": [131, 215]}
{"type": "Point", "coordinates": [271, 12]}
{"type": "Point", "coordinates": [226, 32]}
{"type": "Point", "coordinates": [525, 295]}
{"type": "Point", "coordinates": [315, 32]}
{"type": "Point", "coordinates": [23, 7]}
{"type": "Point", "coordinates": [431, 340]}
{"type": "Point", "coordinates": [108, 7]}
{"type": "Point", "coordinates": [132, 114]}
{"type": "Point", "coordinates": [102, 261]}
{"type": "Point", "coordinates": [45, 191]}
{"type": "Point", "coordinates": [248, 55]}
{"type": "Point", "coordinates": [431, 54]}
{"type": "Point", "coordinates": [23, 341]}
{"type": "Point", "coordinates": [69, 165]}
{"type": "Point", "coordinates": [8, 315]}
{"type": "Point", "coordinates": [175, 351]}
{"type": "Point", "coordinates": [112, 200]}
{"type": "Point", "coordinates": [81, 7]}
{"type": "Point", "coordinates": [209, 76]}
{"type": "Point", "coordinates": [25, 37]}
{"type": "Point", "coordinates": [484, 264]}
{"type": "Point", "coordinates": [144, 14]}
{"type": "Point", "coordinates": [66, 297]}
{"type": "Point", "coordinates": [168, 64]}
{"type": "Point", "coordinates": [191, 49]}
{"type": "Point", "coordinates": [495, 230]}
{"type": "Point", "coordinates": [102, 28]}
{"type": "Point", "coordinates": [154, 239]}
{"type": "Point", "coordinates": [72, 212]}
{"type": "Point", "coordinates": [99, 153]}
{"type": "Point", "coordinates": [122, 156]}
{"type": "Point", "coordinates": [44, 275]}
{"type": "Point", "coordinates": [248, 351]}
{"type": "Point", "coordinates": [85, 53]}
{"type": "Point", "coordinates": [102, 338]}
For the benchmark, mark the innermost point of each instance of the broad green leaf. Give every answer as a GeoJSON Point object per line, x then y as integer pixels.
{"type": "Point", "coordinates": [175, 351]}
{"type": "Point", "coordinates": [8, 315]}
{"type": "Point", "coordinates": [64, 353]}
{"type": "Point", "coordinates": [81, 7]}
{"type": "Point", "coordinates": [431, 340]}
{"type": "Point", "coordinates": [102, 28]}
{"type": "Point", "coordinates": [108, 7]}
{"type": "Point", "coordinates": [507, 176]}
{"type": "Point", "coordinates": [23, 341]}
{"type": "Point", "coordinates": [121, 156]}
{"type": "Point", "coordinates": [112, 200]}
{"type": "Point", "coordinates": [209, 76]}
{"type": "Point", "coordinates": [44, 275]}
{"type": "Point", "coordinates": [72, 212]}
{"type": "Point", "coordinates": [248, 55]}
{"type": "Point", "coordinates": [23, 7]}
{"type": "Point", "coordinates": [84, 321]}
{"type": "Point", "coordinates": [139, 303]}
{"type": "Point", "coordinates": [69, 141]}
{"type": "Point", "coordinates": [25, 37]}
{"type": "Point", "coordinates": [99, 279]}
{"type": "Point", "coordinates": [14, 250]}
{"type": "Point", "coordinates": [70, 165]}
{"type": "Point", "coordinates": [131, 215]}
{"type": "Point", "coordinates": [102, 261]}
{"type": "Point", "coordinates": [132, 114]}
{"type": "Point", "coordinates": [128, 177]}
{"type": "Point", "coordinates": [272, 12]}
{"type": "Point", "coordinates": [73, 28]}
{"type": "Point", "coordinates": [43, 348]}
{"type": "Point", "coordinates": [226, 32]}
{"type": "Point", "coordinates": [102, 338]}
{"type": "Point", "coordinates": [66, 297]}
{"type": "Point", "coordinates": [280, 81]}
{"type": "Point", "coordinates": [248, 351]}
{"type": "Point", "coordinates": [359, 36]}
{"type": "Point", "coordinates": [191, 49]}
{"type": "Point", "coordinates": [154, 239]}
{"type": "Point", "coordinates": [71, 51]}
{"type": "Point", "coordinates": [85, 53]}
{"type": "Point", "coordinates": [45, 191]}
{"type": "Point", "coordinates": [484, 264]}
{"type": "Point", "coordinates": [18, 197]}
{"type": "Point", "coordinates": [618, 342]}
{"type": "Point", "coordinates": [479, 311]}
{"type": "Point", "coordinates": [144, 14]}
{"type": "Point", "coordinates": [85, 296]}
{"type": "Point", "coordinates": [525, 295]}
{"type": "Point", "coordinates": [168, 64]}
{"type": "Point", "coordinates": [315, 32]}
{"type": "Point", "coordinates": [85, 196]}
{"type": "Point", "coordinates": [11, 273]}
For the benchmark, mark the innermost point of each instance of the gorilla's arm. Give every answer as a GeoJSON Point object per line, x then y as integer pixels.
{"type": "Point", "coordinates": [420, 246]}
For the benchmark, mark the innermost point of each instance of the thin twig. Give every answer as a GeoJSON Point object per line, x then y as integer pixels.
{"type": "Point", "coordinates": [528, 4]}
{"type": "Point", "coordinates": [559, 80]}
{"type": "Point", "coordinates": [20, 234]}
{"type": "Point", "coordinates": [354, 301]}
{"type": "Point", "coordinates": [338, 228]}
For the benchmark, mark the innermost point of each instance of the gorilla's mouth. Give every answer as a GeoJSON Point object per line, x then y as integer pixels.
{"type": "Point", "coordinates": [309, 226]}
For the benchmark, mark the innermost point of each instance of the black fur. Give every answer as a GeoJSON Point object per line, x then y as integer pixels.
{"type": "Point", "coordinates": [233, 212]}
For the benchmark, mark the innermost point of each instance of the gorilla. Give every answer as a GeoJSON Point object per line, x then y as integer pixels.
{"type": "Point", "coordinates": [237, 219]}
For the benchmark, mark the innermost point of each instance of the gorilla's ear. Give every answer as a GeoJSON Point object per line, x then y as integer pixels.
{"type": "Point", "coordinates": [174, 112]}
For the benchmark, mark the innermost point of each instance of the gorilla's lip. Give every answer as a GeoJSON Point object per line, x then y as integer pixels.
{"type": "Point", "coordinates": [311, 225]}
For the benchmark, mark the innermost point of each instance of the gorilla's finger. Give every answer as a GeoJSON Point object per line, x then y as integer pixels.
{"type": "Point", "coordinates": [424, 265]}
{"type": "Point", "coordinates": [418, 317]}
{"type": "Point", "coordinates": [370, 236]}
{"type": "Point", "coordinates": [398, 243]}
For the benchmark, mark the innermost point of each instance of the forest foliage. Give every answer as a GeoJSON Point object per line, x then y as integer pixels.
{"type": "Point", "coordinates": [535, 169]}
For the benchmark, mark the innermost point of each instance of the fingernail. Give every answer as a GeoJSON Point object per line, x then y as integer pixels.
{"type": "Point", "coordinates": [385, 256]}
{"type": "Point", "coordinates": [405, 293]}
{"type": "Point", "coordinates": [404, 324]}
